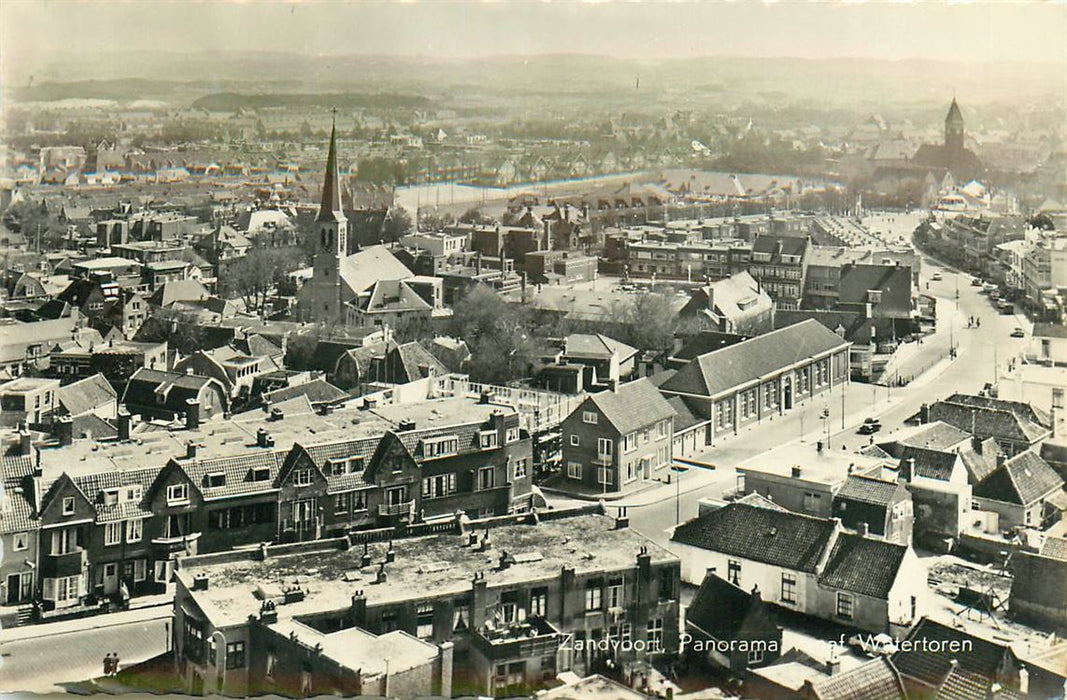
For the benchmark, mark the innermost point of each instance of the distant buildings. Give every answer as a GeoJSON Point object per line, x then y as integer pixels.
{"type": "Point", "coordinates": [952, 155]}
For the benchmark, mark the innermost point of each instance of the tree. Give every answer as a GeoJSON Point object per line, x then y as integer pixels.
{"type": "Point", "coordinates": [397, 224]}
{"type": "Point", "coordinates": [496, 332]}
{"type": "Point", "coordinates": [1043, 222]}
{"type": "Point", "coordinates": [253, 276]}
{"type": "Point", "coordinates": [649, 322]}
{"type": "Point", "coordinates": [435, 221]}
{"type": "Point", "coordinates": [474, 215]}
{"type": "Point", "coordinates": [31, 218]}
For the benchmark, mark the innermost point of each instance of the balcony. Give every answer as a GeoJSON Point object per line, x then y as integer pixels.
{"type": "Point", "coordinates": [177, 543]}
{"type": "Point", "coordinates": [533, 638]}
{"type": "Point", "coordinates": [391, 510]}
{"type": "Point", "coordinates": [59, 565]}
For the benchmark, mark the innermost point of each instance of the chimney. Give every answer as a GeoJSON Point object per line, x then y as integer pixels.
{"type": "Point", "coordinates": [190, 449]}
{"type": "Point", "coordinates": [405, 426]}
{"type": "Point", "coordinates": [357, 613]}
{"type": "Point", "coordinates": [276, 414]}
{"type": "Point", "coordinates": [192, 414]}
{"type": "Point", "coordinates": [125, 420]}
{"type": "Point", "coordinates": [833, 666]}
{"type": "Point", "coordinates": [390, 554]}
{"type": "Point", "coordinates": [1001, 458]}
{"type": "Point", "coordinates": [644, 575]}
{"type": "Point", "coordinates": [200, 582]}
{"type": "Point", "coordinates": [381, 576]}
{"type": "Point", "coordinates": [365, 559]}
{"type": "Point", "coordinates": [907, 470]}
{"type": "Point", "coordinates": [976, 442]}
{"type": "Point", "coordinates": [865, 529]}
{"type": "Point", "coordinates": [505, 561]}
{"type": "Point", "coordinates": [796, 471]}
{"type": "Point", "coordinates": [478, 601]}
{"type": "Point", "coordinates": [64, 430]}
{"type": "Point", "coordinates": [924, 414]}
{"type": "Point", "coordinates": [25, 441]}
{"type": "Point", "coordinates": [622, 519]}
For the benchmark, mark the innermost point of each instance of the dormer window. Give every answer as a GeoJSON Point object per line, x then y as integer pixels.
{"type": "Point", "coordinates": [133, 493]}
{"type": "Point", "coordinates": [215, 479]}
{"type": "Point", "coordinates": [260, 474]}
{"type": "Point", "coordinates": [512, 435]}
{"type": "Point", "coordinates": [338, 468]}
{"type": "Point", "coordinates": [444, 445]}
{"type": "Point", "coordinates": [109, 497]}
{"type": "Point", "coordinates": [355, 464]}
{"type": "Point", "coordinates": [487, 439]}
{"type": "Point", "coordinates": [874, 296]}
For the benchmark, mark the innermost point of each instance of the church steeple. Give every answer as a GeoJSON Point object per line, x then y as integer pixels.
{"type": "Point", "coordinates": [330, 209]}
{"type": "Point", "coordinates": [954, 128]}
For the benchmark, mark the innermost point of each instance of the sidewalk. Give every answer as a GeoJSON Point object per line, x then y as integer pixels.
{"type": "Point", "coordinates": [142, 609]}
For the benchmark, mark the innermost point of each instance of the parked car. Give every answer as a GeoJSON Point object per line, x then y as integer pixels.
{"type": "Point", "coordinates": [870, 426]}
{"type": "Point", "coordinates": [873, 645]}
{"type": "Point", "coordinates": [937, 277]}
{"type": "Point", "coordinates": [975, 282]}
{"type": "Point", "coordinates": [1018, 333]}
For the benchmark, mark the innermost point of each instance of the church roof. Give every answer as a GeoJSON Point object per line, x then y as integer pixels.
{"type": "Point", "coordinates": [330, 209]}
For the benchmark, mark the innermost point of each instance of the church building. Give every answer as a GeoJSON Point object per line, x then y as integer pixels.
{"type": "Point", "coordinates": [953, 155]}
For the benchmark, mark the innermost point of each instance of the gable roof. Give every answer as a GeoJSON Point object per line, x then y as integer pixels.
{"type": "Point", "coordinates": [863, 565]}
{"type": "Point", "coordinates": [92, 485]}
{"type": "Point", "coordinates": [632, 406]}
{"type": "Point", "coordinates": [597, 346]}
{"type": "Point", "coordinates": [236, 472]}
{"type": "Point", "coordinates": [930, 464]}
{"type": "Point", "coordinates": [781, 538]}
{"type": "Point", "coordinates": [936, 435]}
{"type": "Point", "coordinates": [894, 283]}
{"type": "Point", "coordinates": [317, 391]}
{"type": "Point", "coordinates": [721, 609]}
{"type": "Point", "coordinates": [1007, 420]}
{"type": "Point", "coordinates": [724, 369]}
{"type": "Point", "coordinates": [982, 462]}
{"type": "Point", "coordinates": [929, 662]}
{"type": "Point", "coordinates": [85, 395]}
{"type": "Point", "coordinates": [16, 510]}
{"type": "Point", "coordinates": [866, 489]}
{"type": "Point", "coordinates": [876, 679]}
{"type": "Point", "coordinates": [1023, 479]}
{"type": "Point", "coordinates": [361, 270]}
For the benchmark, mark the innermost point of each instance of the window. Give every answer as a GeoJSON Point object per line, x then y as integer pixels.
{"type": "Point", "coordinates": [177, 494]}
{"type": "Point", "coordinates": [755, 656]}
{"type": "Point", "coordinates": [589, 417]}
{"type": "Point", "coordinates": [64, 541]}
{"type": "Point", "coordinates": [844, 605]}
{"type": "Point", "coordinates": [261, 474]}
{"type": "Point", "coordinates": [666, 584]}
{"type": "Point", "coordinates": [341, 503]}
{"type": "Point", "coordinates": [511, 435]}
{"type": "Point", "coordinates": [789, 588]}
{"type": "Point", "coordinates": [112, 534]}
{"type": "Point", "coordinates": [68, 505]}
{"type": "Point", "coordinates": [355, 464]}
{"type": "Point", "coordinates": [435, 447]}
{"type": "Point", "coordinates": [424, 621]}
{"type": "Point", "coordinates": [604, 476]}
{"type": "Point", "coordinates": [734, 572]}
{"type": "Point", "coordinates": [575, 440]}
{"type": "Point", "coordinates": [359, 500]}
{"type": "Point", "coordinates": [21, 541]}
{"type": "Point", "coordinates": [662, 428]}
{"type": "Point", "coordinates": [615, 592]}
{"type": "Point", "coordinates": [574, 470]}
{"type": "Point", "coordinates": [133, 494]}
{"type": "Point", "coordinates": [64, 591]}
{"type": "Point", "coordinates": [520, 468]}
{"type": "Point", "coordinates": [235, 655]}
{"type": "Point", "coordinates": [110, 497]}
{"type": "Point", "coordinates": [487, 439]}
{"type": "Point", "coordinates": [438, 486]}
{"type": "Point", "coordinates": [593, 596]}
{"type": "Point", "coordinates": [603, 448]}
{"type": "Point", "coordinates": [338, 468]}
{"type": "Point", "coordinates": [485, 478]}
{"type": "Point", "coordinates": [215, 480]}
{"type": "Point", "coordinates": [302, 477]}
{"type": "Point", "coordinates": [655, 634]}
{"type": "Point", "coordinates": [139, 569]}
{"type": "Point", "coordinates": [460, 616]}
{"type": "Point", "coordinates": [538, 602]}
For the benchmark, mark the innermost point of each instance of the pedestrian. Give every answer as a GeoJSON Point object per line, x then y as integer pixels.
{"type": "Point", "coordinates": [114, 664]}
{"type": "Point", "coordinates": [107, 664]}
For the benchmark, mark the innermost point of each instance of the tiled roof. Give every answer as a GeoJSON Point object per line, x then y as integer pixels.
{"type": "Point", "coordinates": [417, 363]}
{"type": "Point", "coordinates": [780, 538]}
{"type": "Point", "coordinates": [86, 395]}
{"type": "Point", "coordinates": [863, 565]}
{"type": "Point", "coordinates": [1038, 579]}
{"type": "Point", "coordinates": [632, 406]}
{"type": "Point", "coordinates": [935, 435]}
{"type": "Point", "coordinates": [16, 510]}
{"type": "Point", "coordinates": [893, 282]}
{"type": "Point", "coordinates": [92, 485]}
{"type": "Point", "coordinates": [725, 369]}
{"type": "Point", "coordinates": [720, 608]}
{"type": "Point", "coordinates": [322, 453]}
{"type": "Point", "coordinates": [317, 391]}
{"type": "Point", "coordinates": [980, 464]}
{"type": "Point", "coordinates": [874, 680]}
{"type": "Point", "coordinates": [683, 417]}
{"type": "Point", "coordinates": [791, 245]}
{"type": "Point", "coordinates": [361, 270]}
{"type": "Point", "coordinates": [1023, 479]}
{"type": "Point", "coordinates": [1010, 420]}
{"type": "Point", "coordinates": [919, 662]}
{"type": "Point", "coordinates": [597, 346]}
{"type": "Point", "coordinates": [1055, 548]}
{"type": "Point", "coordinates": [236, 472]}
{"type": "Point", "coordinates": [930, 464]}
{"type": "Point", "coordinates": [707, 341]}
{"type": "Point", "coordinates": [869, 490]}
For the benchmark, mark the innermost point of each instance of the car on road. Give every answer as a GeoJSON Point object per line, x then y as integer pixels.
{"type": "Point", "coordinates": [937, 277]}
{"type": "Point", "coordinates": [870, 426]}
{"type": "Point", "coordinates": [873, 645]}
{"type": "Point", "coordinates": [975, 282]}
{"type": "Point", "coordinates": [1018, 333]}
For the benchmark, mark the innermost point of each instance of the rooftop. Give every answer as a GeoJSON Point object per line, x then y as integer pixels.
{"type": "Point", "coordinates": [827, 466]}
{"type": "Point", "coordinates": [588, 543]}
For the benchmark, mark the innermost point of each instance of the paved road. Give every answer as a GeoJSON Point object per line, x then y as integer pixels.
{"type": "Point", "coordinates": [41, 663]}
{"type": "Point", "coordinates": [654, 513]}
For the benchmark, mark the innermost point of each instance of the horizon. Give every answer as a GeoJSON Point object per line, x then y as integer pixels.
{"type": "Point", "coordinates": [970, 33]}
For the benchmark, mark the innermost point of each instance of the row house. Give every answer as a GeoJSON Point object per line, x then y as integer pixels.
{"type": "Point", "coordinates": [539, 607]}
{"type": "Point", "coordinates": [690, 261]}
{"type": "Point", "coordinates": [770, 374]}
{"type": "Point", "coordinates": [780, 263]}
{"type": "Point", "coordinates": [110, 534]}
{"type": "Point", "coordinates": [806, 565]}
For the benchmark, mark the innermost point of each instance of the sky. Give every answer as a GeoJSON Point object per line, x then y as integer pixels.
{"type": "Point", "coordinates": [960, 31]}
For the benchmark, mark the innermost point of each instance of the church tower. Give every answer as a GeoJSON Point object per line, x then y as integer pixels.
{"type": "Point", "coordinates": [954, 129]}
{"type": "Point", "coordinates": [331, 230]}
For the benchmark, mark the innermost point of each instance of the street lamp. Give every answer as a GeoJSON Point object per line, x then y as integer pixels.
{"type": "Point", "coordinates": [678, 470]}
{"type": "Point", "coordinates": [826, 424]}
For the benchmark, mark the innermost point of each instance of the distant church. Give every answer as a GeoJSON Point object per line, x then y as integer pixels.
{"type": "Point", "coordinates": [369, 287]}
{"type": "Point", "coordinates": [953, 155]}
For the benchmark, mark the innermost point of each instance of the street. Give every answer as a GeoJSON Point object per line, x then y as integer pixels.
{"type": "Point", "coordinates": [61, 653]}
{"type": "Point", "coordinates": [656, 511]}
